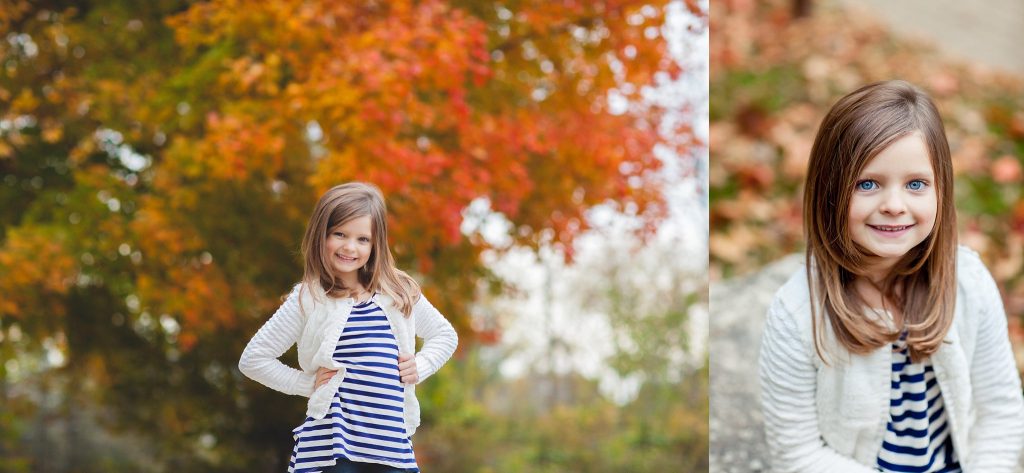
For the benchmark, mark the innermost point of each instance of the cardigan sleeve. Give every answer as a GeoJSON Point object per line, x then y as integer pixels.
{"type": "Point", "coordinates": [788, 386]}
{"type": "Point", "coordinates": [439, 338]}
{"type": "Point", "coordinates": [260, 361]}
{"type": "Point", "coordinates": [998, 434]}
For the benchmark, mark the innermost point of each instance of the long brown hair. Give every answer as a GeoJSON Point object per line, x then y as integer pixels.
{"type": "Point", "coordinates": [922, 284]}
{"type": "Point", "coordinates": [336, 207]}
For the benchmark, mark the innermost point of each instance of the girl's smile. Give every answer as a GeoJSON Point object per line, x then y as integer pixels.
{"type": "Point", "coordinates": [891, 231]}
{"type": "Point", "coordinates": [894, 201]}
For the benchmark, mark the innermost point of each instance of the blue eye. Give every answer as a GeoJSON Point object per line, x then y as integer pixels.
{"type": "Point", "coordinates": [866, 185]}
{"type": "Point", "coordinates": [916, 185]}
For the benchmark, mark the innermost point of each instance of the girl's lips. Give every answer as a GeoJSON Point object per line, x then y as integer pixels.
{"type": "Point", "coordinates": [345, 258]}
{"type": "Point", "coordinates": [891, 231]}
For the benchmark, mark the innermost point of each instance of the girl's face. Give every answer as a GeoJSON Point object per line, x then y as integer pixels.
{"type": "Point", "coordinates": [349, 247]}
{"type": "Point", "coordinates": [894, 201]}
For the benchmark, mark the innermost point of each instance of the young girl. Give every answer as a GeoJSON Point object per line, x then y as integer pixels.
{"type": "Point", "coordinates": [889, 350]}
{"type": "Point", "coordinates": [354, 317]}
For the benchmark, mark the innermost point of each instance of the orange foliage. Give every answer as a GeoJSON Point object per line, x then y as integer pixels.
{"type": "Point", "coordinates": [246, 111]}
{"type": "Point", "coordinates": [35, 268]}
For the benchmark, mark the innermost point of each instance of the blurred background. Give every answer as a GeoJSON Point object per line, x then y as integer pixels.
{"type": "Point", "coordinates": [545, 166]}
{"type": "Point", "coordinates": [776, 68]}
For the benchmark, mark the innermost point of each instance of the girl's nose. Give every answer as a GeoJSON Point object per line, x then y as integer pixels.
{"type": "Point", "coordinates": [894, 203]}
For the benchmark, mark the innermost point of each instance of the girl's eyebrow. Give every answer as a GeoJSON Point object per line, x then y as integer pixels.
{"type": "Point", "coordinates": [928, 176]}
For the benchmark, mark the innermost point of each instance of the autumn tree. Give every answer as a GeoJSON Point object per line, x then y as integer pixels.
{"type": "Point", "coordinates": [159, 160]}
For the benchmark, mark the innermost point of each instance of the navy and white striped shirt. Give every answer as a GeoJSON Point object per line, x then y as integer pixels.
{"type": "Point", "coordinates": [366, 420]}
{"type": "Point", "coordinates": [917, 436]}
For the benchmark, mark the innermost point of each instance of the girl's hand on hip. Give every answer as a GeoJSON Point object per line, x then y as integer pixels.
{"type": "Point", "coordinates": [323, 375]}
{"type": "Point", "coordinates": [407, 368]}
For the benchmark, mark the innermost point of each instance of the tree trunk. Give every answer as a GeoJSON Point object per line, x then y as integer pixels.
{"type": "Point", "coordinates": [801, 8]}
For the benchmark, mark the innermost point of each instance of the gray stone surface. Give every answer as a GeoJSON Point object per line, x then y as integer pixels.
{"type": "Point", "coordinates": [989, 32]}
{"type": "Point", "coordinates": [737, 317]}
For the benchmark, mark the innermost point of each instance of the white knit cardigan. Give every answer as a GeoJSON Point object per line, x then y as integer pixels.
{"type": "Point", "coordinates": [316, 326]}
{"type": "Point", "coordinates": [831, 418]}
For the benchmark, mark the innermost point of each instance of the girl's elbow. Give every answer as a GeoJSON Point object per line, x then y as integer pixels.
{"type": "Point", "coordinates": [245, 365]}
{"type": "Point", "coordinates": [448, 336]}
{"type": "Point", "coordinates": [454, 343]}
{"type": "Point", "coordinates": [248, 362]}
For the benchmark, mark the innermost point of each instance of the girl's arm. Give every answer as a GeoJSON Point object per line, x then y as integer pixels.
{"type": "Point", "coordinates": [788, 384]}
{"type": "Point", "coordinates": [998, 434]}
{"type": "Point", "coordinates": [259, 360]}
{"type": "Point", "coordinates": [439, 338]}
